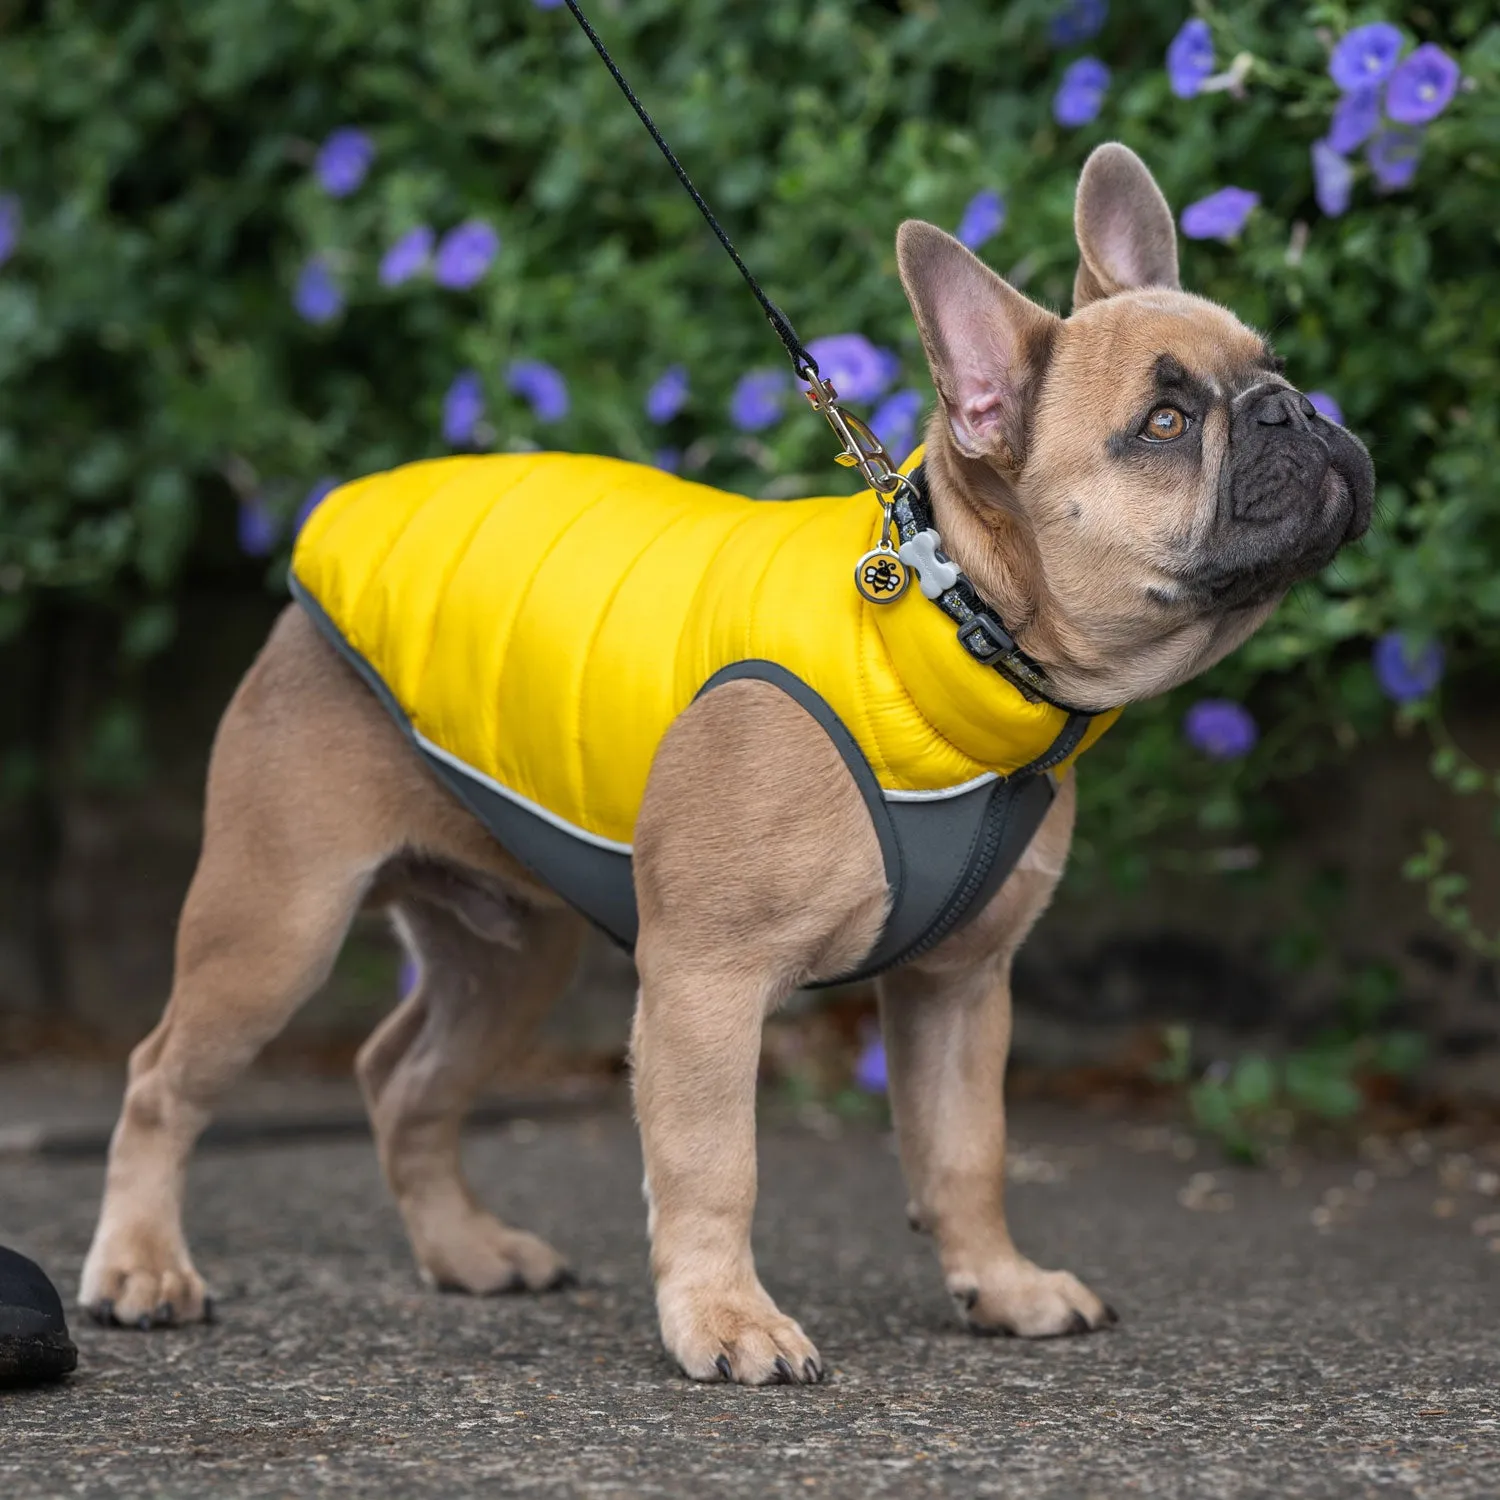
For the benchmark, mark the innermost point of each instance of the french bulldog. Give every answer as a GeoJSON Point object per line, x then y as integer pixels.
{"type": "Point", "coordinates": [1131, 489]}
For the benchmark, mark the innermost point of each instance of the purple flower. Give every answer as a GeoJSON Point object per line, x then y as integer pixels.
{"type": "Point", "coordinates": [1354, 119]}
{"type": "Point", "coordinates": [1365, 56]}
{"type": "Point", "coordinates": [869, 1068]}
{"type": "Point", "coordinates": [983, 217]}
{"type": "Point", "coordinates": [1326, 406]}
{"type": "Point", "coordinates": [312, 500]}
{"type": "Point", "coordinates": [1080, 95]}
{"type": "Point", "coordinates": [256, 528]}
{"type": "Point", "coordinates": [407, 976]}
{"type": "Point", "coordinates": [343, 160]}
{"type": "Point", "coordinates": [542, 386]}
{"type": "Point", "coordinates": [408, 257]}
{"type": "Point", "coordinates": [895, 422]}
{"type": "Point", "coordinates": [667, 459]}
{"type": "Point", "coordinates": [1221, 729]}
{"type": "Point", "coordinates": [1393, 156]}
{"type": "Point", "coordinates": [1333, 179]}
{"type": "Point", "coordinates": [547, 4]}
{"type": "Point", "coordinates": [1076, 21]}
{"type": "Point", "coordinates": [463, 406]}
{"type": "Point", "coordinates": [668, 395]}
{"type": "Point", "coordinates": [1422, 87]}
{"type": "Point", "coordinates": [465, 253]}
{"type": "Point", "coordinates": [317, 297]}
{"type": "Point", "coordinates": [1190, 58]}
{"type": "Point", "coordinates": [857, 370]}
{"type": "Point", "coordinates": [1220, 216]}
{"type": "Point", "coordinates": [758, 399]}
{"type": "Point", "coordinates": [10, 225]}
{"type": "Point", "coordinates": [1407, 667]}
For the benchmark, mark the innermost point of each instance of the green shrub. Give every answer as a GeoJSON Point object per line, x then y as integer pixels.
{"type": "Point", "coordinates": [158, 386]}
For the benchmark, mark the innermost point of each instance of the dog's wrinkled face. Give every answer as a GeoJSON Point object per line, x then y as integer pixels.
{"type": "Point", "coordinates": [1155, 480]}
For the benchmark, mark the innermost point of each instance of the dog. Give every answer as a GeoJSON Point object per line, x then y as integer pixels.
{"type": "Point", "coordinates": [1130, 490]}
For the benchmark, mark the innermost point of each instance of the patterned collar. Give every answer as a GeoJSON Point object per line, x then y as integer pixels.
{"type": "Point", "coordinates": [981, 632]}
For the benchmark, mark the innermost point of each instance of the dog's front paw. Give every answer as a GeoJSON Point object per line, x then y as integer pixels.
{"type": "Point", "coordinates": [1016, 1297]}
{"type": "Point", "coordinates": [476, 1253]}
{"type": "Point", "coordinates": [715, 1335]}
{"type": "Point", "coordinates": [142, 1280]}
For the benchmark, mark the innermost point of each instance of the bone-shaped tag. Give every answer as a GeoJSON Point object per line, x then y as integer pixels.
{"type": "Point", "coordinates": [934, 571]}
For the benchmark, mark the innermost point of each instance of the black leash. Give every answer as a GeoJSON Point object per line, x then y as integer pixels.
{"type": "Point", "coordinates": [862, 449]}
{"type": "Point", "coordinates": [802, 362]}
{"type": "Point", "coordinates": [908, 544]}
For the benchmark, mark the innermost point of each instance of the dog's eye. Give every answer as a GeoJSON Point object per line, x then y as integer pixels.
{"type": "Point", "coordinates": [1164, 424]}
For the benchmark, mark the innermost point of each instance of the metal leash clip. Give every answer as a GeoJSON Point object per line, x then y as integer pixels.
{"type": "Point", "coordinates": [880, 575]}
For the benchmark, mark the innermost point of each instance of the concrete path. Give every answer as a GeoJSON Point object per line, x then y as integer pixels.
{"type": "Point", "coordinates": [1333, 1335]}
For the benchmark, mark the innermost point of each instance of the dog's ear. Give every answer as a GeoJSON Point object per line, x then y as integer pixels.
{"type": "Point", "coordinates": [1126, 237]}
{"type": "Point", "coordinates": [987, 345]}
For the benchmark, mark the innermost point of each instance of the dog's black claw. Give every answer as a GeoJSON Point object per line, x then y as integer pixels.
{"type": "Point", "coordinates": [562, 1279]}
{"type": "Point", "coordinates": [967, 1297]}
{"type": "Point", "coordinates": [1078, 1323]}
{"type": "Point", "coordinates": [993, 1330]}
{"type": "Point", "coordinates": [812, 1369]}
{"type": "Point", "coordinates": [165, 1313]}
{"type": "Point", "coordinates": [784, 1374]}
{"type": "Point", "coordinates": [144, 1322]}
{"type": "Point", "coordinates": [722, 1365]}
{"type": "Point", "coordinates": [1110, 1315]}
{"type": "Point", "coordinates": [210, 1312]}
{"type": "Point", "coordinates": [103, 1312]}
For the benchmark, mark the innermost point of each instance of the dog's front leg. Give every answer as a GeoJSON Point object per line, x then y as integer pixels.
{"type": "Point", "coordinates": [696, 1048]}
{"type": "Point", "coordinates": [946, 1022]}
{"type": "Point", "coordinates": [757, 868]}
{"type": "Point", "coordinates": [946, 1042]}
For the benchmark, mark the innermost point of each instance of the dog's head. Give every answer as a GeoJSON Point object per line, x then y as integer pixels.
{"type": "Point", "coordinates": [1137, 485]}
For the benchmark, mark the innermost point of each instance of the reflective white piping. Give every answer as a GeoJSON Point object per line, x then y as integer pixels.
{"type": "Point", "coordinates": [941, 792]}
{"type": "Point", "coordinates": [535, 808]}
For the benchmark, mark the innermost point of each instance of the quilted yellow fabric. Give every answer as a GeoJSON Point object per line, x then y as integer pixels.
{"type": "Point", "coordinates": [542, 619]}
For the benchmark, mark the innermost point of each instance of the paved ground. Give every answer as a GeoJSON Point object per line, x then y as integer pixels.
{"type": "Point", "coordinates": [1259, 1355]}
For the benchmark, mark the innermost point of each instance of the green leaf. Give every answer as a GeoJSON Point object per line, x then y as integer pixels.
{"type": "Point", "coordinates": [1321, 1081]}
{"type": "Point", "coordinates": [1399, 1053]}
{"type": "Point", "coordinates": [1253, 1082]}
{"type": "Point", "coordinates": [148, 630]}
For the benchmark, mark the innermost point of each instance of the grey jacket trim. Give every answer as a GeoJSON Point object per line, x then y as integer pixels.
{"type": "Point", "coordinates": [944, 856]}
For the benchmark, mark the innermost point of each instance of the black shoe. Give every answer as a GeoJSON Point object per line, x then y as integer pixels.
{"type": "Point", "coordinates": [34, 1342]}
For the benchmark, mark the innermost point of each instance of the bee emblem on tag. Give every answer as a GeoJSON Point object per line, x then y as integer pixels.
{"type": "Point", "coordinates": [880, 575]}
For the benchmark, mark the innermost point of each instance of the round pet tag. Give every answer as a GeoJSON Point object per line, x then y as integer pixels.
{"type": "Point", "coordinates": [881, 576]}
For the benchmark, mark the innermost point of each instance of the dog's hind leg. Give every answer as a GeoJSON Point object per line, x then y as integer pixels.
{"type": "Point", "coordinates": [478, 998]}
{"type": "Point", "coordinates": [311, 789]}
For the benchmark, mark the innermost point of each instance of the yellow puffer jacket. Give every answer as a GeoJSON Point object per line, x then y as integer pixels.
{"type": "Point", "coordinates": [541, 619]}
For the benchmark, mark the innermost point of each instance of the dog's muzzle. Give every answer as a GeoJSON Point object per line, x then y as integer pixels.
{"type": "Point", "coordinates": [1294, 488]}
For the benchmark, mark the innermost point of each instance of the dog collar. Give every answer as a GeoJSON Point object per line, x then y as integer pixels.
{"type": "Point", "coordinates": [981, 632]}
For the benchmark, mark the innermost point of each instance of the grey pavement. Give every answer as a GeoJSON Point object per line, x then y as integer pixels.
{"type": "Point", "coordinates": [1333, 1331]}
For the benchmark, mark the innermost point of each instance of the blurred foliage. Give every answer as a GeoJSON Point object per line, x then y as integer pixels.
{"type": "Point", "coordinates": [154, 373]}
{"type": "Point", "coordinates": [1256, 1102]}
{"type": "Point", "coordinates": [1447, 889]}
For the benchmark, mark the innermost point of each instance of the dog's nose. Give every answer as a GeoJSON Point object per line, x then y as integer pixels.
{"type": "Point", "coordinates": [1284, 407]}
